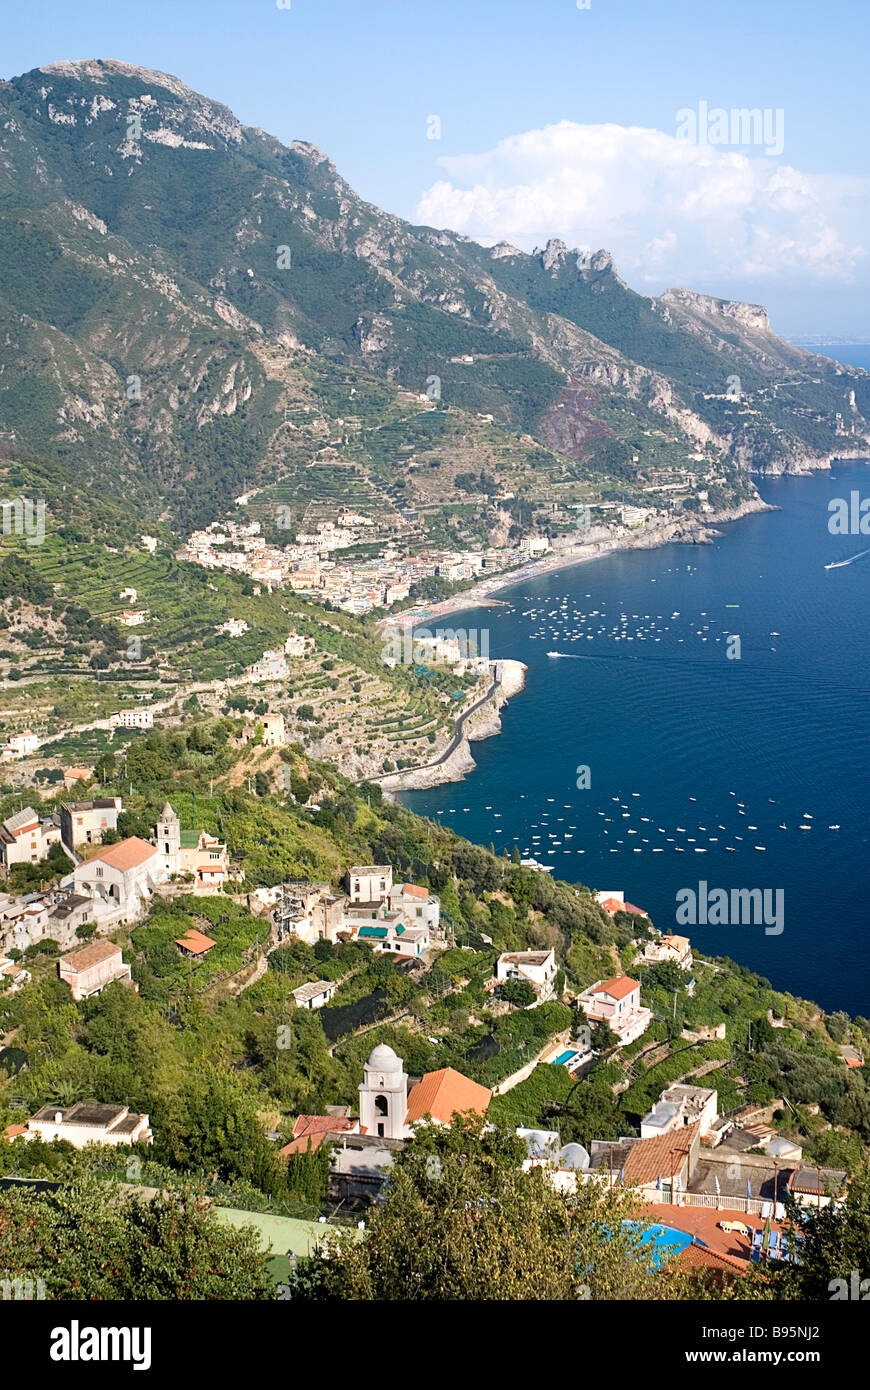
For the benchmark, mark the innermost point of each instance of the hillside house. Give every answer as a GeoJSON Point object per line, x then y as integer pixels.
{"type": "Point", "coordinates": [26, 839]}
{"type": "Point", "coordinates": [86, 822]}
{"type": "Point", "coordinates": [314, 994]}
{"type": "Point", "coordinates": [134, 719]}
{"type": "Point", "coordinates": [616, 1002]}
{"type": "Point", "coordinates": [678, 1107]}
{"type": "Point", "coordinates": [670, 948]}
{"type": "Point", "coordinates": [88, 971]}
{"type": "Point", "coordinates": [21, 745]}
{"type": "Point", "coordinates": [88, 1122]}
{"type": "Point", "coordinates": [537, 968]}
{"type": "Point", "coordinates": [369, 884]}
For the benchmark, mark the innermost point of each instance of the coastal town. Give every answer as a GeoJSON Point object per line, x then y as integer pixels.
{"type": "Point", "coordinates": [322, 562]}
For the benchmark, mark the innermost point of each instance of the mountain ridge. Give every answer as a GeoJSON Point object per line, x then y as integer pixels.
{"type": "Point", "coordinates": [165, 219]}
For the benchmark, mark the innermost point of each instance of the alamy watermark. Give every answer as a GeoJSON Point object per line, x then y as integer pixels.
{"type": "Point", "coordinates": [739, 907]}
{"type": "Point", "coordinates": [15, 1289]}
{"type": "Point", "coordinates": [21, 516]}
{"type": "Point", "coordinates": [741, 125]}
{"type": "Point", "coordinates": [855, 1288]}
{"type": "Point", "coordinates": [849, 518]}
{"type": "Point", "coordinates": [444, 647]}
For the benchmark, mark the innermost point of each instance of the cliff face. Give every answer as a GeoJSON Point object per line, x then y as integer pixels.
{"type": "Point", "coordinates": [483, 723]}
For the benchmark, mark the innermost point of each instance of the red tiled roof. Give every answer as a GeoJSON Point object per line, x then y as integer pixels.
{"type": "Point", "coordinates": [618, 988]}
{"type": "Point", "coordinates": [88, 956]}
{"type": "Point", "coordinates": [651, 1159]}
{"type": "Point", "coordinates": [445, 1093]}
{"type": "Point", "coordinates": [13, 1131]}
{"type": "Point", "coordinates": [195, 942]}
{"type": "Point", "coordinates": [309, 1132]}
{"type": "Point", "coordinates": [611, 905]}
{"type": "Point", "coordinates": [414, 890]}
{"type": "Point", "coordinates": [695, 1257]}
{"type": "Point", "coordinates": [127, 855]}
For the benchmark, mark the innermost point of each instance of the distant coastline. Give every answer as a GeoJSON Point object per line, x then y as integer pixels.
{"type": "Point", "coordinates": [684, 531]}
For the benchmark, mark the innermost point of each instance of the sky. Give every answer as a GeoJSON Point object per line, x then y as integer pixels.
{"type": "Point", "coordinates": [606, 123]}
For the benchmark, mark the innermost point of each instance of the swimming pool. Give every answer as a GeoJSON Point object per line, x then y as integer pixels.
{"type": "Point", "coordinates": [564, 1057]}
{"type": "Point", "coordinates": [666, 1241]}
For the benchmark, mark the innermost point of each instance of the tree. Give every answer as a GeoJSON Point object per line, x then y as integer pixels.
{"type": "Point", "coordinates": [836, 1242]}
{"type": "Point", "coordinates": [105, 1245]}
{"type": "Point", "coordinates": [603, 1036]}
{"type": "Point", "coordinates": [519, 992]}
{"type": "Point", "coordinates": [461, 1221]}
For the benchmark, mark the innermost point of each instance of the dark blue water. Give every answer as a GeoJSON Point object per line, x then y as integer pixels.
{"type": "Point", "coordinates": [679, 734]}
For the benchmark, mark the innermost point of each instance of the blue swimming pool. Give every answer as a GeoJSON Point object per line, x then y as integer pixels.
{"type": "Point", "coordinates": [564, 1057]}
{"type": "Point", "coordinates": [666, 1241]}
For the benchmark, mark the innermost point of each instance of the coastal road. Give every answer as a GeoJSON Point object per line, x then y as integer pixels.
{"type": "Point", "coordinates": [458, 732]}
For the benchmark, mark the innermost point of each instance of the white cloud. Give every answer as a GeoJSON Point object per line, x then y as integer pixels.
{"type": "Point", "coordinates": [670, 211]}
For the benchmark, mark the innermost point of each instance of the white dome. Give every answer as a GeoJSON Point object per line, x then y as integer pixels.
{"type": "Point", "coordinates": [574, 1156]}
{"type": "Point", "coordinates": [383, 1058]}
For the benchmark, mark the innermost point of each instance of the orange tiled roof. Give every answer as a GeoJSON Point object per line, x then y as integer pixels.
{"type": "Point", "coordinates": [414, 890]}
{"type": "Point", "coordinates": [618, 988]}
{"type": "Point", "coordinates": [309, 1132]}
{"type": "Point", "coordinates": [13, 1131]}
{"type": "Point", "coordinates": [695, 1257]}
{"type": "Point", "coordinates": [445, 1093]}
{"type": "Point", "coordinates": [127, 855]}
{"type": "Point", "coordinates": [195, 942]}
{"type": "Point", "coordinates": [95, 954]}
{"type": "Point", "coordinates": [659, 1157]}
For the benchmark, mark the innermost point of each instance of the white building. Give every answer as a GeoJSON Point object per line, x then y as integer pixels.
{"type": "Point", "coordinates": [538, 968]}
{"type": "Point", "coordinates": [25, 839]}
{"type": "Point", "coordinates": [417, 906]}
{"type": "Point", "coordinates": [272, 666]}
{"type": "Point", "coordinates": [315, 994]}
{"type": "Point", "coordinates": [616, 1002]}
{"type": "Point", "coordinates": [120, 880]}
{"type": "Point", "coordinates": [670, 948]}
{"type": "Point", "coordinates": [680, 1106]}
{"type": "Point", "coordinates": [133, 719]}
{"type": "Point", "coordinates": [21, 745]}
{"type": "Point", "coordinates": [88, 1122]}
{"type": "Point", "coordinates": [370, 883]}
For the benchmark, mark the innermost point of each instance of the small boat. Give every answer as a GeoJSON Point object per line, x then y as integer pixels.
{"type": "Point", "coordinates": [783, 826]}
{"type": "Point", "coordinates": [761, 847]}
{"type": "Point", "coordinates": [833, 827]}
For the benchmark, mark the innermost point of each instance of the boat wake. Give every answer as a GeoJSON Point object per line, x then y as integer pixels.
{"type": "Point", "coordinates": [838, 564]}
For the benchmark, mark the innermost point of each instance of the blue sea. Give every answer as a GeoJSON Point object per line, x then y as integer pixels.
{"type": "Point", "coordinates": [695, 759]}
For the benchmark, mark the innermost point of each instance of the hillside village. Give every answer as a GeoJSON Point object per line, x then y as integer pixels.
{"type": "Point", "coordinates": [720, 1176]}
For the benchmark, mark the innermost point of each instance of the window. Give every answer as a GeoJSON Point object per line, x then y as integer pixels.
{"type": "Point", "coordinates": [99, 872]}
